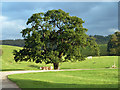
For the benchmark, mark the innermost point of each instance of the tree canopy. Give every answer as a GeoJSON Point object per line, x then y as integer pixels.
{"type": "Point", "coordinates": [54, 37]}
{"type": "Point", "coordinates": [114, 44]}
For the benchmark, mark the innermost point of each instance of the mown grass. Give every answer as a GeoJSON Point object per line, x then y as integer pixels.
{"type": "Point", "coordinates": [8, 63]}
{"type": "Point", "coordinates": [107, 78]}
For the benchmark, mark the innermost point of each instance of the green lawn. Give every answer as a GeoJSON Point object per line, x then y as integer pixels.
{"type": "Point", "coordinates": [8, 63]}
{"type": "Point", "coordinates": [107, 78]}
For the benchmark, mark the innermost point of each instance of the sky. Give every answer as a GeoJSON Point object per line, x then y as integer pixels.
{"type": "Point", "coordinates": [101, 18]}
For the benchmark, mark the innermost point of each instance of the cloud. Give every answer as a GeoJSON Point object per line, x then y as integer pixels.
{"type": "Point", "coordinates": [11, 28]}
{"type": "Point", "coordinates": [2, 18]}
{"type": "Point", "coordinates": [99, 17]}
{"type": "Point", "coordinates": [113, 30]}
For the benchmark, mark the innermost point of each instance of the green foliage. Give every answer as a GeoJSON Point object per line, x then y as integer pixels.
{"type": "Point", "coordinates": [102, 39]}
{"type": "Point", "coordinates": [86, 51]}
{"type": "Point", "coordinates": [53, 35]}
{"type": "Point", "coordinates": [103, 50]}
{"type": "Point", "coordinates": [114, 44]}
{"type": "Point", "coordinates": [94, 46]}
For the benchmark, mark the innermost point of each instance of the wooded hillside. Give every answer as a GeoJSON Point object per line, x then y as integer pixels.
{"type": "Point", "coordinates": [20, 42]}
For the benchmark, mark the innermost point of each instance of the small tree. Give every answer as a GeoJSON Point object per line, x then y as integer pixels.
{"type": "Point", "coordinates": [53, 37]}
{"type": "Point", "coordinates": [94, 47]}
{"type": "Point", "coordinates": [113, 46]}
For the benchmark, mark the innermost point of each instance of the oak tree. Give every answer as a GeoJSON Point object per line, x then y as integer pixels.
{"type": "Point", "coordinates": [54, 37]}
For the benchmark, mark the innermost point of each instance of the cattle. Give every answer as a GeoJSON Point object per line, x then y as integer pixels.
{"type": "Point", "coordinates": [90, 57]}
{"type": "Point", "coordinates": [47, 68]}
{"type": "Point", "coordinates": [50, 68]}
{"type": "Point", "coordinates": [114, 66]}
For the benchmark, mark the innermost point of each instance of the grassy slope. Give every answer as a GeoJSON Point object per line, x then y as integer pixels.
{"type": "Point", "coordinates": [95, 62]}
{"type": "Point", "coordinates": [8, 62]}
{"type": "Point", "coordinates": [107, 78]}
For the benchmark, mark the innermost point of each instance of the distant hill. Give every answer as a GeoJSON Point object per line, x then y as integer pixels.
{"type": "Point", "coordinates": [17, 42]}
{"type": "Point", "coordinates": [102, 39]}
{"type": "Point", "coordinates": [20, 42]}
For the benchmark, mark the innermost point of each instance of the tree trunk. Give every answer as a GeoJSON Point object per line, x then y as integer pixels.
{"type": "Point", "coordinates": [56, 66]}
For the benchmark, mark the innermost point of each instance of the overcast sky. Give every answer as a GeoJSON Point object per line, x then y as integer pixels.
{"type": "Point", "coordinates": [101, 18]}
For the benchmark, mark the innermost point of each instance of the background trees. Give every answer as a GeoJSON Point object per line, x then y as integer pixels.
{"type": "Point", "coordinates": [54, 37]}
{"type": "Point", "coordinates": [102, 39]}
{"type": "Point", "coordinates": [17, 42]}
{"type": "Point", "coordinates": [114, 44]}
{"type": "Point", "coordinates": [20, 42]}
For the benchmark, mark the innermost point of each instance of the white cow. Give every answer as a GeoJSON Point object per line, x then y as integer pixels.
{"type": "Point", "coordinates": [90, 57]}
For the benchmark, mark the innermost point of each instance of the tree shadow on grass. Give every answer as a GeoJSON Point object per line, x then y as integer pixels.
{"type": "Point", "coordinates": [36, 84]}
{"type": "Point", "coordinates": [107, 67]}
{"type": "Point", "coordinates": [11, 69]}
{"type": "Point", "coordinates": [34, 66]}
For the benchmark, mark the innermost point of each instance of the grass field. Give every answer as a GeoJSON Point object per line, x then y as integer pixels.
{"type": "Point", "coordinates": [107, 78]}
{"type": "Point", "coordinates": [102, 77]}
{"type": "Point", "coordinates": [8, 63]}
{"type": "Point", "coordinates": [95, 62]}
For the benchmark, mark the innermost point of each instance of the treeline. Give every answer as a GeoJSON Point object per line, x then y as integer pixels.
{"type": "Point", "coordinates": [102, 39]}
{"type": "Point", "coordinates": [20, 42]}
{"type": "Point", "coordinates": [17, 42]}
{"type": "Point", "coordinates": [114, 44]}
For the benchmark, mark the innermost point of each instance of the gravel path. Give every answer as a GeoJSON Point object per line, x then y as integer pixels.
{"type": "Point", "coordinates": [5, 83]}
